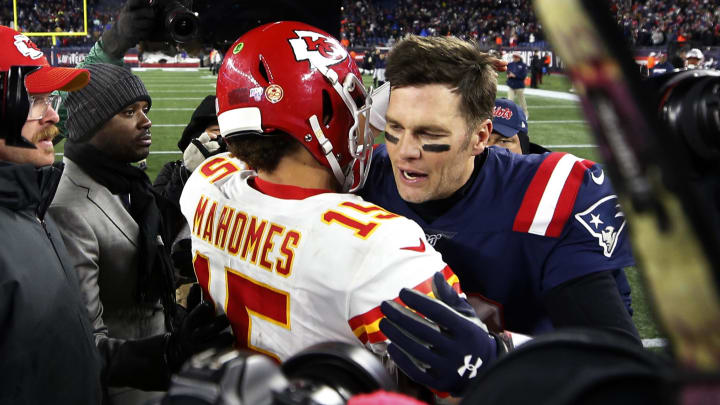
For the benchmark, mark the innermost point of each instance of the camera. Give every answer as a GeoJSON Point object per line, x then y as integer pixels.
{"type": "Point", "coordinates": [688, 104]}
{"type": "Point", "coordinates": [324, 374]}
{"type": "Point", "coordinates": [177, 22]}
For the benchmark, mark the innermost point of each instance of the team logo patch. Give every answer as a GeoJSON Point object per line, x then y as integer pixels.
{"type": "Point", "coordinates": [604, 221]}
{"type": "Point", "coordinates": [238, 48]}
{"type": "Point", "coordinates": [274, 93]}
{"type": "Point", "coordinates": [27, 48]}
{"type": "Point", "coordinates": [319, 50]}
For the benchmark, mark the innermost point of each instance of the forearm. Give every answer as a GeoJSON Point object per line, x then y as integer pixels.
{"type": "Point", "coordinates": [98, 55]}
{"type": "Point", "coordinates": [590, 301]}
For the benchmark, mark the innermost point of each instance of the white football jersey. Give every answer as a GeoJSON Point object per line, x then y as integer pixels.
{"type": "Point", "coordinates": [293, 272]}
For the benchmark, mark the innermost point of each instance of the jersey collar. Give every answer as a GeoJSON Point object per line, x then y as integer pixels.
{"type": "Point", "coordinates": [284, 191]}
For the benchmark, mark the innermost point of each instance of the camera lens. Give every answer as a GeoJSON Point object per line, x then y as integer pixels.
{"type": "Point", "coordinates": [182, 24]}
{"type": "Point", "coordinates": [184, 27]}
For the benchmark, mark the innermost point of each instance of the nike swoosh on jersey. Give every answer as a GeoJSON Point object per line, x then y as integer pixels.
{"type": "Point", "coordinates": [420, 248]}
{"type": "Point", "coordinates": [600, 179]}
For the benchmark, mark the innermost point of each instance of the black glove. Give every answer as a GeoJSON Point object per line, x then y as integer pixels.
{"type": "Point", "coordinates": [201, 329]}
{"type": "Point", "coordinates": [442, 350]}
{"type": "Point", "coordinates": [136, 21]}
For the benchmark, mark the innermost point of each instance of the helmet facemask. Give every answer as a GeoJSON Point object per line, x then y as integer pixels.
{"type": "Point", "coordinates": [360, 138]}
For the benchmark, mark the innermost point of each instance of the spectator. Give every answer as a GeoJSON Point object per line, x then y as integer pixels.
{"type": "Point", "coordinates": [662, 66]}
{"type": "Point", "coordinates": [111, 222]}
{"type": "Point", "coordinates": [47, 352]}
{"type": "Point", "coordinates": [536, 67]}
{"type": "Point", "coordinates": [516, 73]}
{"type": "Point", "coordinates": [533, 268]}
{"type": "Point", "coordinates": [694, 59]}
{"type": "Point", "coordinates": [379, 71]}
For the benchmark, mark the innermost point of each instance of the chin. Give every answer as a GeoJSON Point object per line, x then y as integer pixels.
{"type": "Point", "coordinates": [412, 196]}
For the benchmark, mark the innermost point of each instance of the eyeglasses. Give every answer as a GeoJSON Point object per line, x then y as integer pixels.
{"type": "Point", "coordinates": [40, 104]}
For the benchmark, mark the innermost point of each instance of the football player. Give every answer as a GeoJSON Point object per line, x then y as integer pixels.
{"type": "Point", "coordinates": [284, 251]}
{"type": "Point", "coordinates": [534, 238]}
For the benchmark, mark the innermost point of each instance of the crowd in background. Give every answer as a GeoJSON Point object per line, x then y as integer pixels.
{"type": "Point", "coordinates": [490, 22]}
{"type": "Point", "coordinates": [370, 23]}
{"type": "Point", "coordinates": [60, 16]}
{"type": "Point", "coordinates": [660, 22]}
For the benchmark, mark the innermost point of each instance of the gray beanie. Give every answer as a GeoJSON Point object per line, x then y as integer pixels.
{"type": "Point", "coordinates": [111, 88]}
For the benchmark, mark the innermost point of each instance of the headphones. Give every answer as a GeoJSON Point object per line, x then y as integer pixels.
{"type": "Point", "coordinates": [14, 105]}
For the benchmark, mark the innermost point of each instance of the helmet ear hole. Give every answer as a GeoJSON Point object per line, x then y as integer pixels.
{"type": "Point", "coordinates": [327, 108]}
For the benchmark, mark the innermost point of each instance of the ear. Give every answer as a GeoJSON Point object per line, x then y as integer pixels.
{"type": "Point", "coordinates": [480, 136]}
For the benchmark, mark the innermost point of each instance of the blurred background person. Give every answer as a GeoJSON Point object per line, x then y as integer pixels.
{"type": "Point", "coordinates": [516, 73]}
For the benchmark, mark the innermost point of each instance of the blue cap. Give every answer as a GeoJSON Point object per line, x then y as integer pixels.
{"type": "Point", "coordinates": [508, 118]}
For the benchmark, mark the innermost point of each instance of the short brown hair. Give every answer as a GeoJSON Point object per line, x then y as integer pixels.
{"type": "Point", "coordinates": [262, 152]}
{"type": "Point", "coordinates": [416, 60]}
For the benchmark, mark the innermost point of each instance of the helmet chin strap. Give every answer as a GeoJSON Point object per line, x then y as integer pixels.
{"type": "Point", "coordinates": [327, 148]}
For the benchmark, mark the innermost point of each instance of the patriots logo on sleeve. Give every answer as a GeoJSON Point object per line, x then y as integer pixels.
{"type": "Point", "coordinates": [604, 221]}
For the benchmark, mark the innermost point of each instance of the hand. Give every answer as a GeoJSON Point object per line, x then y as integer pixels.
{"type": "Point", "coordinates": [136, 21]}
{"type": "Point", "coordinates": [202, 148]}
{"type": "Point", "coordinates": [499, 65]}
{"type": "Point", "coordinates": [200, 330]}
{"type": "Point", "coordinates": [442, 350]}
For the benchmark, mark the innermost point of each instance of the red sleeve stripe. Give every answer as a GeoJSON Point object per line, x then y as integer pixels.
{"type": "Point", "coordinates": [549, 199]}
{"type": "Point", "coordinates": [367, 326]}
{"type": "Point", "coordinates": [567, 201]}
{"type": "Point", "coordinates": [534, 192]}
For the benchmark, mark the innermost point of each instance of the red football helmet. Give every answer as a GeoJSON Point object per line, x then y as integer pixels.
{"type": "Point", "coordinates": [295, 78]}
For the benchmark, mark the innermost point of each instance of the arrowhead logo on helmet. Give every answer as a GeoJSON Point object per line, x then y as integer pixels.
{"type": "Point", "coordinates": [320, 50]}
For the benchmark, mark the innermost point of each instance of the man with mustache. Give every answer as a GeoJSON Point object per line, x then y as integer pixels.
{"type": "Point", "coordinates": [111, 221]}
{"type": "Point", "coordinates": [47, 352]}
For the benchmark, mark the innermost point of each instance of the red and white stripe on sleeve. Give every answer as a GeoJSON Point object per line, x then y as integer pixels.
{"type": "Point", "coordinates": [550, 197]}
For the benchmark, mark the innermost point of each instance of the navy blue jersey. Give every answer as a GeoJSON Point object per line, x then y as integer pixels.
{"type": "Point", "coordinates": [526, 224]}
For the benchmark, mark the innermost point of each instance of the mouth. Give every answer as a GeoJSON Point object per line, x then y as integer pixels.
{"type": "Point", "coordinates": [44, 143]}
{"type": "Point", "coordinates": [411, 176]}
{"type": "Point", "coordinates": [145, 139]}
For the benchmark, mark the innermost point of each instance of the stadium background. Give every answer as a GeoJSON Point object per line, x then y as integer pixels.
{"type": "Point", "coordinates": [66, 29]}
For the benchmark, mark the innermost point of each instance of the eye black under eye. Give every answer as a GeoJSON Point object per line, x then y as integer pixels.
{"type": "Point", "coordinates": [391, 138]}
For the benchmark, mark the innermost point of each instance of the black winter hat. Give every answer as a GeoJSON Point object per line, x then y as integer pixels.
{"type": "Point", "coordinates": [111, 88]}
{"type": "Point", "coordinates": [203, 116]}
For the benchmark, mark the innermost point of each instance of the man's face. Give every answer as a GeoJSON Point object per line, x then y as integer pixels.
{"type": "Point", "coordinates": [430, 146]}
{"type": "Point", "coordinates": [126, 137]}
{"type": "Point", "coordinates": [41, 133]}
{"type": "Point", "coordinates": [512, 144]}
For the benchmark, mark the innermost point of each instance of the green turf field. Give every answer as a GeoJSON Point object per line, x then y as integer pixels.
{"type": "Point", "coordinates": [555, 124]}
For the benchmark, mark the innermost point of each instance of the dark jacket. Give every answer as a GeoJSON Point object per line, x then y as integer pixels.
{"type": "Point", "coordinates": [519, 69]}
{"type": "Point", "coordinates": [47, 351]}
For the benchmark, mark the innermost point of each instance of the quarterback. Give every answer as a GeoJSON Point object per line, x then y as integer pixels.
{"type": "Point", "coordinates": [283, 250]}
{"type": "Point", "coordinates": [534, 238]}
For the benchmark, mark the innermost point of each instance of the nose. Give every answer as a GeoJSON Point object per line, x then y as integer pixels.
{"type": "Point", "coordinates": [409, 146]}
{"type": "Point", "coordinates": [51, 116]}
{"type": "Point", "coordinates": [144, 121]}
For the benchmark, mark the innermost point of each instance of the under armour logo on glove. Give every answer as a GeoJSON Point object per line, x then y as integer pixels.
{"type": "Point", "coordinates": [473, 368]}
{"type": "Point", "coordinates": [429, 348]}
